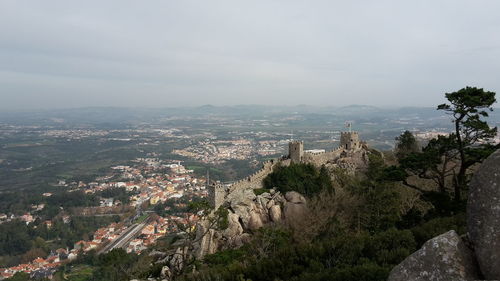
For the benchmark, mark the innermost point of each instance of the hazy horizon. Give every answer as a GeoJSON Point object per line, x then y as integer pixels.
{"type": "Point", "coordinates": [35, 109]}
{"type": "Point", "coordinates": [158, 54]}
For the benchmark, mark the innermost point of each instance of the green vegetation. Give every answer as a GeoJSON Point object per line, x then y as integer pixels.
{"type": "Point", "coordinates": [22, 243]}
{"type": "Point", "coordinates": [72, 199]}
{"type": "Point", "coordinates": [303, 178]}
{"type": "Point", "coordinates": [118, 265]}
{"type": "Point", "coordinates": [260, 191]}
{"type": "Point", "coordinates": [467, 106]}
{"type": "Point", "coordinates": [115, 265]}
{"type": "Point", "coordinates": [141, 218]}
{"type": "Point", "coordinates": [20, 276]}
{"type": "Point", "coordinates": [19, 202]}
{"type": "Point", "coordinates": [117, 193]}
{"type": "Point", "coordinates": [358, 226]}
{"type": "Point", "coordinates": [80, 273]}
{"type": "Point", "coordinates": [368, 230]}
{"type": "Point", "coordinates": [274, 255]}
{"type": "Point", "coordinates": [448, 160]}
{"type": "Point", "coordinates": [406, 144]}
{"type": "Point", "coordinates": [232, 169]}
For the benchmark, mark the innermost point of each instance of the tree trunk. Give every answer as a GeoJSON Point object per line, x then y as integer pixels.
{"type": "Point", "coordinates": [460, 180]}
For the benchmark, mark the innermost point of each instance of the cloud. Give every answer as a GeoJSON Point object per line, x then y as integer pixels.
{"type": "Point", "coordinates": [167, 53]}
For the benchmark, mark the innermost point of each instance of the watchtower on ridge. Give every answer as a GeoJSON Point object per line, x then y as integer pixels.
{"type": "Point", "coordinates": [216, 195]}
{"type": "Point", "coordinates": [350, 140]}
{"type": "Point", "coordinates": [296, 151]}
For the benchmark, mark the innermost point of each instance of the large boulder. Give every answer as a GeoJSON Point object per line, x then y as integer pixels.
{"type": "Point", "coordinates": [445, 257]}
{"type": "Point", "coordinates": [275, 213]}
{"type": "Point", "coordinates": [295, 206]}
{"type": "Point", "coordinates": [483, 216]}
{"type": "Point", "coordinates": [242, 202]}
{"type": "Point", "coordinates": [165, 273]}
{"type": "Point", "coordinates": [255, 221]}
{"type": "Point", "coordinates": [234, 227]}
{"type": "Point", "coordinates": [295, 197]}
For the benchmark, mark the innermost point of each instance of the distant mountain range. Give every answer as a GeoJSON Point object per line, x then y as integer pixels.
{"type": "Point", "coordinates": [127, 115]}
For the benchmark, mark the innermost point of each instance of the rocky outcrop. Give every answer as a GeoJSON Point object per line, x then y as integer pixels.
{"type": "Point", "coordinates": [207, 239]}
{"type": "Point", "coordinates": [445, 257]}
{"type": "Point", "coordinates": [295, 206]}
{"type": "Point", "coordinates": [275, 213]}
{"type": "Point", "coordinates": [295, 197]}
{"type": "Point", "coordinates": [483, 216]}
{"type": "Point", "coordinates": [249, 212]}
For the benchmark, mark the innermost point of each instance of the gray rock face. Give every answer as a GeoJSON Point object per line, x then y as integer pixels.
{"type": "Point", "coordinates": [165, 273]}
{"type": "Point", "coordinates": [247, 213]}
{"type": "Point", "coordinates": [295, 197]}
{"type": "Point", "coordinates": [255, 221]}
{"type": "Point", "coordinates": [444, 257]}
{"type": "Point", "coordinates": [243, 202]}
{"type": "Point", "coordinates": [483, 216]}
{"type": "Point", "coordinates": [234, 227]}
{"type": "Point", "coordinates": [295, 206]}
{"type": "Point", "coordinates": [275, 213]}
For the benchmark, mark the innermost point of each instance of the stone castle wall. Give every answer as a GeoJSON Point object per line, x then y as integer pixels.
{"type": "Point", "coordinates": [217, 193]}
{"type": "Point", "coordinates": [254, 181]}
{"type": "Point", "coordinates": [349, 144]}
{"type": "Point", "coordinates": [319, 159]}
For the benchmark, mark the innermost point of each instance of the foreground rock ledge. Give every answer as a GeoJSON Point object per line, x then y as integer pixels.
{"type": "Point", "coordinates": [445, 257]}
{"type": "Point", "coordinates": [483, 216]}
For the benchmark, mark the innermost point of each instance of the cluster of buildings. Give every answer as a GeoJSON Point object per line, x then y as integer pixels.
{"type": "Point", "coordinates": [157, 228]}
{"type": "Point", "coordinates": [219, 151]}
{"type": "Point", "coordinates": [100, 237]}
{"type": "Point", "coordinates": [155, 182]}
{"type": "Point", "coordinates": [46, 267]}
{"type": "Point", "coordinates": [27, 217]}
{"type": "Point", "coordinates": [41, 267]}
{"type": "Point", "coordinates": [150, 181]}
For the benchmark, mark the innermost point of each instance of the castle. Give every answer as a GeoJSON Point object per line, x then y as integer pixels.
{"type": "Point", "coordinates": [349, 155]}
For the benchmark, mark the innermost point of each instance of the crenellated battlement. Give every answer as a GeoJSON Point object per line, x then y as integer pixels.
{"type": "Point", "coordinates": [349, 143]}
{"type": "Point", "coordinates": [255, 180]}
{"type": "Point", "coordinates": [350, 140]}
{"type": "Point", "coordinates": [321, 158]}
{"type": "Point", "coordinates": [217, 193]}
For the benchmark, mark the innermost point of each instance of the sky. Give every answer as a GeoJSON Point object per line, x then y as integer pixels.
{"type": "Point", "coordinates": [63, 54]}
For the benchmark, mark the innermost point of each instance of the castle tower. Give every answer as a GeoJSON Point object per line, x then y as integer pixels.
{"type": "Point", "coordinates": [296, 151]}
{"type": "Point", "coordinates": [216, 195]}
{"type": "Point", "coordinates": [349, 140]}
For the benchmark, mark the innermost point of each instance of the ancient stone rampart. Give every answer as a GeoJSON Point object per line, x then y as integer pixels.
{"type": "Point", "coordinates": [321, 158]}
{"type": "Point", "coordinates": [350, 144]}
{"type": "Point", "coordinates": [254, 181]}
{"type": "Point", "coordinates": [218, 192]}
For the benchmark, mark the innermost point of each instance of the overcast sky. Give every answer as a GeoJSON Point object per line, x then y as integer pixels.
{"type": "Point", "coordinates": [173, 53]}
